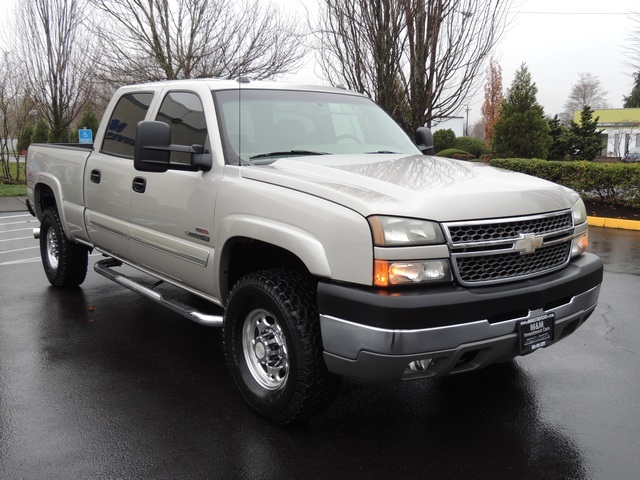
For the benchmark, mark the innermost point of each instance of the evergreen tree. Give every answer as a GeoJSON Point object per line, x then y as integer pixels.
{"type": "Point", "coordinates": [41, 133]}
{"type": "Point", "coordinates": [24, 139]}
{"type": "Point", "coordinates": [89, 121]}
{"type": "Point", "coordinates": [633, 100]}
{"type": "Point", "coordinates": [584, 137]}
{"type": "Point", "coordinates": [559, 145]}
{"type": "Point", "coordinates": [62, 137]}
{"type": "Point", "coordinates": [522, 130]}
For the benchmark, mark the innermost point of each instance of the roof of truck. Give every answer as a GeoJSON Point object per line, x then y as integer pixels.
{"type": "Point", "coordinates": [242, 82]}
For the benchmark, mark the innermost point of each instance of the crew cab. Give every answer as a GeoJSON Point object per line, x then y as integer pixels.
{"type": "Point", "coordinates": [332, 244]}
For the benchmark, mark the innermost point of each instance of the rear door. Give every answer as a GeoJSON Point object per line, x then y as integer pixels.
{"type": "Point", "coordinates": [109, 174]}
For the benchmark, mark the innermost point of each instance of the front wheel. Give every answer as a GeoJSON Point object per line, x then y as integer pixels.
{"type": "Point", "coordinates": [273, 346]}
{"type": "Point", "coordinates": [65, 262]}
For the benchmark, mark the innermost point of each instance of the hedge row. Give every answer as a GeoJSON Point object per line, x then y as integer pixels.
{"type": "Point", "coordinates": [617, 183]}
{"type": "Point", "coordinates": [454, 153]}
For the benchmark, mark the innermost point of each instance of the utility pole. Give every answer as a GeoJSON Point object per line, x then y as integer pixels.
{"type": "Point", "coordinates": [466, 126]}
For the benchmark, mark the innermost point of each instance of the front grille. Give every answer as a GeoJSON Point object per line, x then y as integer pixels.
{"type": "Point", "coordinates": [502, 250]}
{"type": "Point", "coordinates": [512, 265]}
{"type": "Point", "coordinates": [482, 232]}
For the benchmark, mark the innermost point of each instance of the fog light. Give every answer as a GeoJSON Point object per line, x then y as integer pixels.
{"type": "Point", "coordinates": [579, 244]}
{"type": "Point", "coordinates": [419, 365]}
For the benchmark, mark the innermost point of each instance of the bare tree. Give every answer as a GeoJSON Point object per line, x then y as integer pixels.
{"type": "Point", "coordinates": [423, 54]}
{"type": "Point", "coordinates": [6, 95]}
{"type": "Point", "coordinates": [493, 98]}
{"type": "Point", "coordinates": [632, 46]}
{"type": "Point", "coordinates": [361, 44]}
{"type": "Point", "coordinates": [16, 110]}
{"type": "Point", "coordinates": [587, 91]}
{"type": "Point", "coordinates": [477, 130]}
{"type": "Point", "coordinates": [171, 39]}
{"type": "Point", "coordinates": [57, 59]}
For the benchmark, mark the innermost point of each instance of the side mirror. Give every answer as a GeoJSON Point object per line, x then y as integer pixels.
{"type": "Point", "coordinates": [153, 147]}
{"type": "Point", "coordinates": [424, 141]}
{"type": "Point", "coordinates": [152, 134]}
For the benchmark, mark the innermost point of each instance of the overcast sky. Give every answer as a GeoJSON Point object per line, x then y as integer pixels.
{"type": "Point", "coordinates": [557, 39]}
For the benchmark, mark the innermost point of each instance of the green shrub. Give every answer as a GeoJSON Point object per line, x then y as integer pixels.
{"type": "Point", "coordinates": [450, 152]}
{"type": "Point", "coordinates": [444, 139]}
{"type": "Point", "coordinates": [606, 182]}
{"type": "Point", "coordinates": [474, 146]}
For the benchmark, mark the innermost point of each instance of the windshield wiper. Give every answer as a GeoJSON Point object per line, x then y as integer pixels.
{"type": "Point", "coordinates": [380, 151]}
{"type": "Point", "coordinates": [289, 152]}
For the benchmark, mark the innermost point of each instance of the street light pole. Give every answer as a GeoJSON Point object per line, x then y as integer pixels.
{"type": "Point", "coordinates": [466, 127]}
{"type": "Point", "coordinates": [34, 114]}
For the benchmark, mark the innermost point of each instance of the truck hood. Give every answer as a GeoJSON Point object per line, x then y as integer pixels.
{"type": "Point", "coordinates": [416, 186]}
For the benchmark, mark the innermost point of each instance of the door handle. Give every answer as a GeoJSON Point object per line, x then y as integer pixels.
{"type": "Point", "coordinates": [95, 176]}
{"type": "Point", "coordinates": [139, 184]}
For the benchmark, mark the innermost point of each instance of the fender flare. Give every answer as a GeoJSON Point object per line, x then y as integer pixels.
{"type": "Point", "coordinates": [300, 243]}
{"type": "Point", "coordinates": [53, 184]}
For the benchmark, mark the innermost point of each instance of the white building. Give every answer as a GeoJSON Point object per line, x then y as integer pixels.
{"type": "Point", "coordinates": [620, 129]}
{"type": "Point", "coordinates": [454, 123]}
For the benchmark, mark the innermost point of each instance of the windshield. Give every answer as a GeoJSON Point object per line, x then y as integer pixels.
{"type": "Point", "coordinates": [265, 125]}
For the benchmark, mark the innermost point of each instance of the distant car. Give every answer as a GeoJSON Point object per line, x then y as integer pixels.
{"type": "Point", "coordinates": [632, 155]}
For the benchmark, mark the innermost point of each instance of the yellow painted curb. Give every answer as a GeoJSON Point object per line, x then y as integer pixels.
{"type": "Point", "coordinates": [614, 223]}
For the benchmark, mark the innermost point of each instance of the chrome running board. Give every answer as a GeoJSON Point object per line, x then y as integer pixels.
{"type": "Point", "coordinates": [105, 268]}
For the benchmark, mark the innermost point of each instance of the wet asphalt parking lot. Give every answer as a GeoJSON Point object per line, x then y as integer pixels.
{"type": "Point", "coordinates": [98, 382]}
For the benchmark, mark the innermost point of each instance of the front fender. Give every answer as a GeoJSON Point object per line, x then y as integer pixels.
{"type": "Point", "coordinates": [300, 243]}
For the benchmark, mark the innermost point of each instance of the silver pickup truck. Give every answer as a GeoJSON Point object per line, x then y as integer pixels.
{"type": "Point", "coordinates": [332, 244]}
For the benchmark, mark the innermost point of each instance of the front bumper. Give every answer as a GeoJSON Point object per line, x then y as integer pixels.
{"type": "Point", "coordinates": [377, 335]}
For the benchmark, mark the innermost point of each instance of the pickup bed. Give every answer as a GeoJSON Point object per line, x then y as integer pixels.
{"type": "Point", "coordinates": [332, 243]}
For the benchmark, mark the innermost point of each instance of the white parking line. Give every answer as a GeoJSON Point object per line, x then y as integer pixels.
{"type": "Point", "coordinates": [17, 230]}
{"type": "Point", "coordinates": [24, 260]}
{"type": "Point", "coordinates": [18, 216]}
{"type": "Point", "coordinates": [19, 250]}
{"type": "Point", "coordinates": [15, 223]}
{"type": "Point", "coordinates": [34, 259]}
{"type": "Point", "coordinates": [17, 238]}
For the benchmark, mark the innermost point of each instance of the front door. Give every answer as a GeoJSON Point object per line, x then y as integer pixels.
{"type": "Point", "coordinates": [172, 212]}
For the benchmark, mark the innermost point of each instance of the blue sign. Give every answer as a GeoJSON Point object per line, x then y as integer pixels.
{"type": "Point", "coordinates": [86, 135]}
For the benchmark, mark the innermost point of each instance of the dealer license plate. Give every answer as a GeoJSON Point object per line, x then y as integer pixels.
{"type": "Point", "coordinates": [536, 333]}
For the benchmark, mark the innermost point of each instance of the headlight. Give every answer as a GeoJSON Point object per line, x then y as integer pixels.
{"type": "Point", "coordinates": [410, 272]}
{"type": "Point", "coordinates": [581, 241]}
{"type": "Point", "coordinates": [579, 212]}
{"type": "Point", "coordinates": [402, 232]}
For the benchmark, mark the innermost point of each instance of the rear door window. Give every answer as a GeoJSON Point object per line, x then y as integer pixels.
{"type": "Point", "coordinates": [121, 130]}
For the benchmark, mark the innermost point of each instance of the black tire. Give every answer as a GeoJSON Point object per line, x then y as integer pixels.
{"type": "Point", "coordinates": [65, 262]}
{"type": "Point", "coordinates": [274, 347]}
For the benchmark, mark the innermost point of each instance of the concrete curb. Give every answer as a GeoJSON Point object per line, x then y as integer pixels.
{"type": "Point", "coordinates": [18, 204]}
{"type": "Point", "coordinates": [614, 223]}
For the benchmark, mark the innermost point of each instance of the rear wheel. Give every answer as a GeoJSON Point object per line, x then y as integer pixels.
{"type": "Point", "coordinates": [274, 348]}
{"type": "Point", "coordinates": [65, 262]}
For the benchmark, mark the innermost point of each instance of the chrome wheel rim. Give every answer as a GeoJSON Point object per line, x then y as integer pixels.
{"type": "Point", "coordinates": [52, 249]}
{"type": "Point", "coordinates": [265, 349]}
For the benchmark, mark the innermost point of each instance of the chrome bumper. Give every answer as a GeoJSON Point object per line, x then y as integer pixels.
{"type": "Point", "coordinates": [373, 353]}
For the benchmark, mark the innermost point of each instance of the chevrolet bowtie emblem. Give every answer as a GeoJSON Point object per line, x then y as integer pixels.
{"type": "Point", "coordinates": [527, 243]}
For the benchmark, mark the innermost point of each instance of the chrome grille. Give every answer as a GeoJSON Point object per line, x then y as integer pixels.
{"type": "Point", "coordinates": [509, 249]}
{"type": "Point", "coordinates": [509, 229]}
{"type": "Point", "coordinates": [512, 265]}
